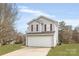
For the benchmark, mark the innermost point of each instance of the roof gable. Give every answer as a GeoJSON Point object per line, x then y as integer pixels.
{"type": "Point", "coordinates": [43, 18]}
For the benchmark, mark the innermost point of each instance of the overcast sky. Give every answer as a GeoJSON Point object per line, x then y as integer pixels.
{"type": "Point", "coordinates": [66, 12]}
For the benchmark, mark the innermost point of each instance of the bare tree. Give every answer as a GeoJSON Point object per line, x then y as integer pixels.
{"type": "Point", "coordinates": [76, 34]}
{"type": "Point", "coordinates": [65, 33]}
{"type": "Point", "coordinates": [8, 14]}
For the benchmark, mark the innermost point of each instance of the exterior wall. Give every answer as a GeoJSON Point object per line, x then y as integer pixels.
{"type": "Point", "coordinates": [47, 23]}
{"type": "Point", "coordinates": [40, 41]}
{"type": "Point", "coordinates": [41, 27]}
{"type": "Point", "coordinates": [34, 27]}
{"type": "Point", "coordinates": [56, 36]}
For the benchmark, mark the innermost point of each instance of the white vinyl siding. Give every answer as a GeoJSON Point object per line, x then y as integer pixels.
{"type": "Point", "coordinates": [41, 27]}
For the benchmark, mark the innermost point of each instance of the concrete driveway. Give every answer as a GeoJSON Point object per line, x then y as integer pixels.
{"type": "Point", "coordinates": [29, 51]}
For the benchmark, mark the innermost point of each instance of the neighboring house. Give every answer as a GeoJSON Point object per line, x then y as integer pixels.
{"type": "Point", "coordinates": [42, 32]}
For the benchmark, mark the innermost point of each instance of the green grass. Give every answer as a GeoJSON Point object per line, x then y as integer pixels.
{"type": "Point", "coordinates": [65, 50]}
{"type": "Point", "coordinates": [9, 48]}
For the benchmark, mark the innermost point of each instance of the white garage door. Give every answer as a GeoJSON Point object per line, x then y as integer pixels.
{"type": "Point", "coordinates": [40, 41]}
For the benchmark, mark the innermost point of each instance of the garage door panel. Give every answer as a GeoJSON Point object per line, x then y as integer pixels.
{"type": "Point", "coordinates": [42, 41]}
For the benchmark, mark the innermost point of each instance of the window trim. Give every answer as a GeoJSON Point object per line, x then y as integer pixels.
{"type": "Point", "coordinates": [31, 27]}
{"type": "Point", "coordinates": [45, 29]}
{"type": "Point", "coordinates": [37, 27]}
{"type": "Point", "coordinates": [50, 27]}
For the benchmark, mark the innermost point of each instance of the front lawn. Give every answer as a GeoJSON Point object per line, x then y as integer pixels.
{"type": "Point", "coordinates": [65, 50]}
{"type": "Point", "coordinates": [9, 48]}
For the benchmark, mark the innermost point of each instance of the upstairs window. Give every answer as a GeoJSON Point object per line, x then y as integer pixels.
{"type": "Point", "coordinates": [31, 27]}
{"type": "Point", "coordinates": [45, 27]}
{"type": "Point", "coordinates": [50, 27]}
{"type": "Point", "coordinates": [37, 27]}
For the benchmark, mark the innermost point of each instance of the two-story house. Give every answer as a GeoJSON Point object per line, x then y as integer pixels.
{"type": "Point", "coordinates": [42, 32]}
